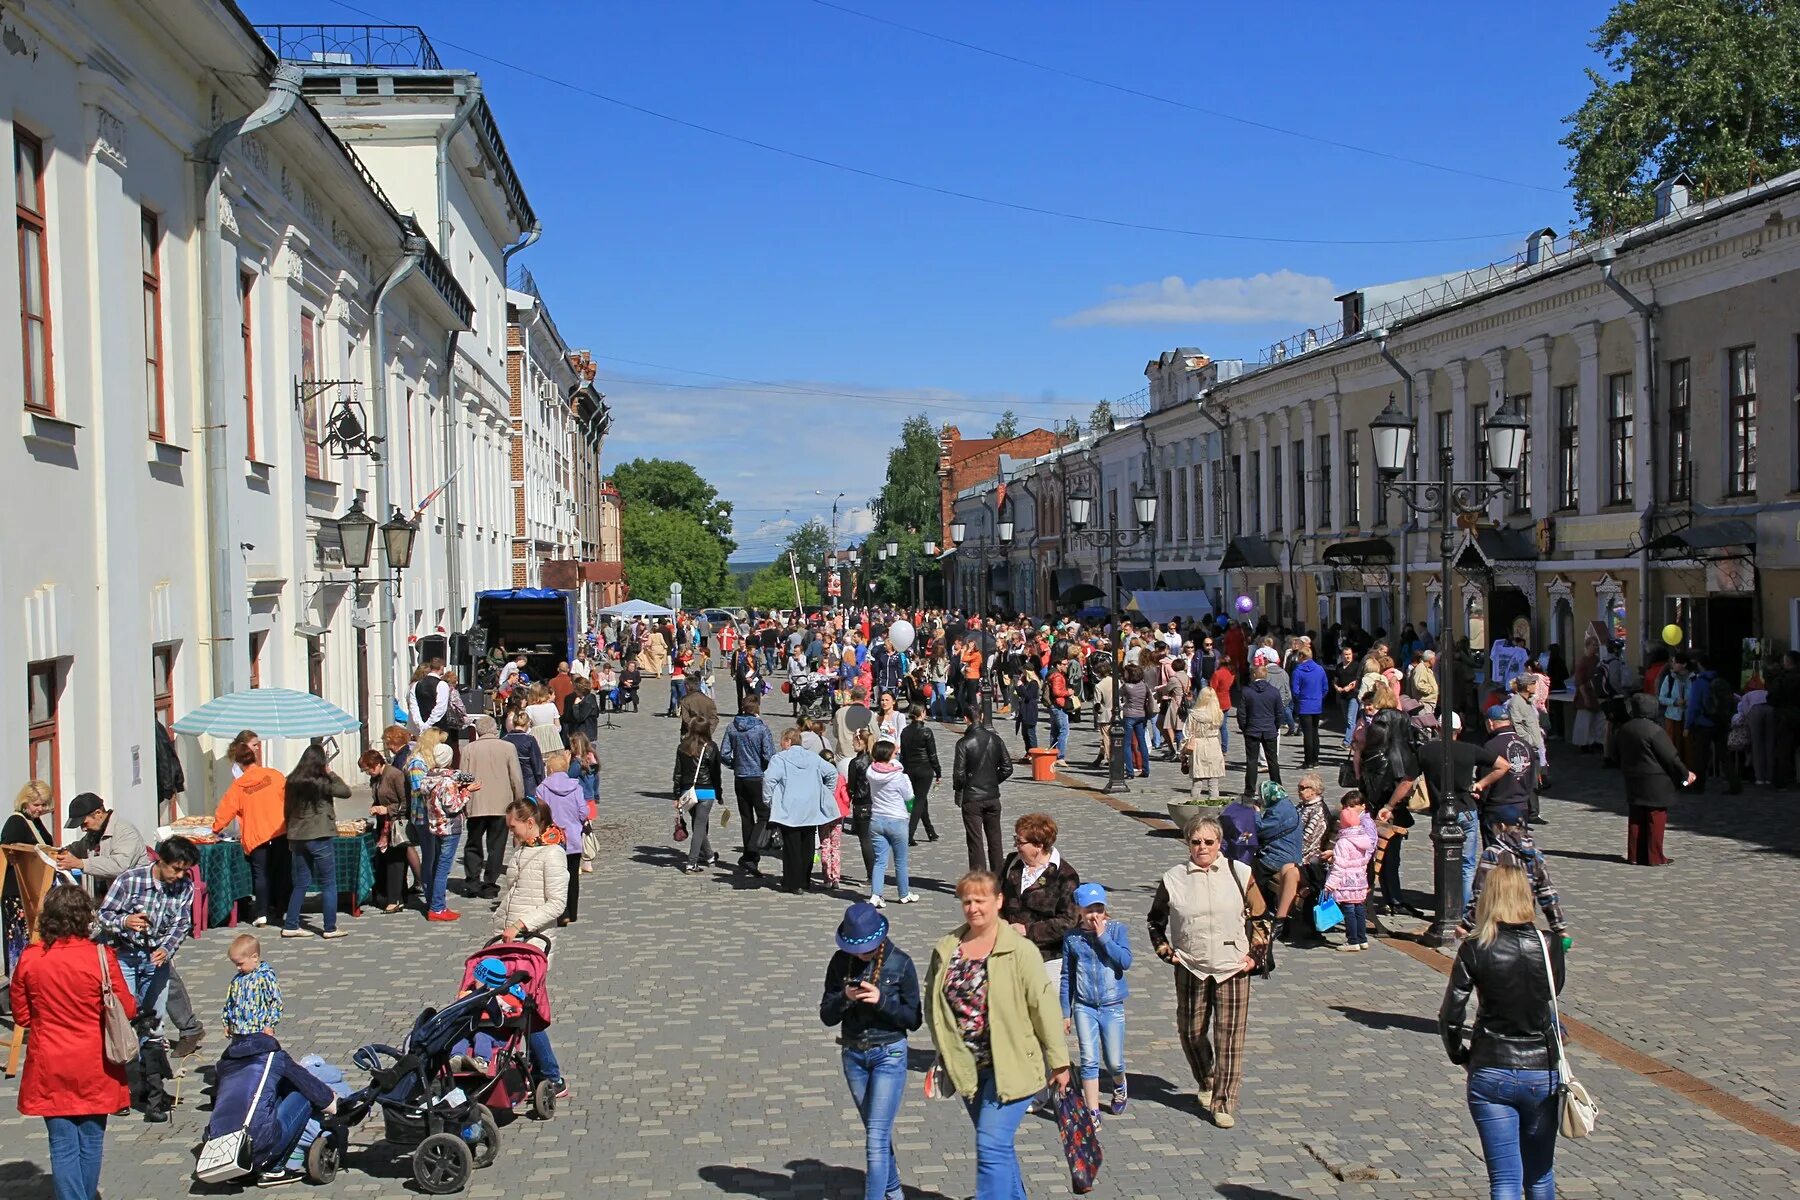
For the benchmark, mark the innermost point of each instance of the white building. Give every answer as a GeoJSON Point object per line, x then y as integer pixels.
{"type": "Point", "coordinates": [174, 470]}
{"type": "Point", "coordinates": [543, 384]}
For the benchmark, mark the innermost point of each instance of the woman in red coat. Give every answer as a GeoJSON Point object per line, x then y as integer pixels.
{"type": "Point", "coordinates": [67, 1081]}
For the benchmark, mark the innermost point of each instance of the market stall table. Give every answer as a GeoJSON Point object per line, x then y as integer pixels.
{"type": "Point", "coordinates": [355, 869]}
{"type": "Point", "coordinates": [226, 873]}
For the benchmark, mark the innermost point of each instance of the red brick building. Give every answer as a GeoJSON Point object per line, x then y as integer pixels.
{"type": "Point", "coordinates": [965, 462]}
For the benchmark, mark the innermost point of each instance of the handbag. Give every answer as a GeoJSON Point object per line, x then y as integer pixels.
{"type": "Point", "coordinates": [1258, 931]}
{"type": "Point", "coordinates": [230, 1155]}
{"type": "Point", "coordinates": [1577, 1110]}
{"type": "Point", "coordinates": [120, 1040]}
{"type": "Point", "coordinates": [1327, 913]}
{"type": "Point", "coordinates": [1737, 737]}
{"type": "Point", "coordinates": [1347, 776]}
{"type": "Point", "coordinates": [1419, 799]}
{"type": "Point", "coordinates": [1080, 1131]}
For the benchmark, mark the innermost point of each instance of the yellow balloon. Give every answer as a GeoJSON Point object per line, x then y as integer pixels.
{"type": "Point", "coordinates": [1672, 635]}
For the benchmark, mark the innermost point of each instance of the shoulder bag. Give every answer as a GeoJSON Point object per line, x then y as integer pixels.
{"type": "Point", "coordinates": [119, 1040]}
{"type": "Point", "coordinates": [1258, 931]}
{"type": "Point", "coordinates": [1577, 1110]}
{"type": "Point", "coordinates": [230, 1155]}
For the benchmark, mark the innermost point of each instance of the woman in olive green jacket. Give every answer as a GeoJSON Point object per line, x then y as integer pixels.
{"type": "Point", "coordinates": [996, 1027]}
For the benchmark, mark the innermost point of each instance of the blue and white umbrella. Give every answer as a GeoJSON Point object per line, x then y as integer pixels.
{"type": "Point", "coordinates": [270, 713]}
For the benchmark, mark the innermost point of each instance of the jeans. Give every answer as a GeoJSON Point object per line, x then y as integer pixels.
{"type": "Point", "coordinates": [292, 1112]}
{"type": "Point", "coordinates": [1351, 708]}
{"type": "Point", "coordinates": [676, 691]}
{"type": "Point", "coordinates": [1515, 1116]}
{"type": "Point", "coordinates": [1137, 752]}
{"type": "Point", "coordinates": [1471, 854]}
{"type": "Point", "coordinates": [1356, 923]}
{"type": "Point", "coordinates": [889, 834]}
{"type": "Point", "coordinates": [436, 854]}
{"type": "Point", "coordinates": [1059, 732]}
{"type": "Point", "coordinates": [76, 1144]}
{"type": "Point", "coordinates": [1254, 746]}
{"type": "Point", "coordinates": [877, 1079]}
{"type": "Point", "coordinates": [700, 831]}
{"type": "Point", "coordinates": [484, 854]}
{"type": "Point", "coordinates": [1100, 1034]}
{"type": "Point", "coordinates": [149, 985]}
{"type": "Point", "coordinates": [1225, 732]}
{"type": "Point", "coordinates": [996, 1135]}
{"type": "Point", "coordinates": [543, 1058]}
{"type": "Point", "coordinates": [315, 856]}
{"type": "Point", "coordinates": [268, 878]}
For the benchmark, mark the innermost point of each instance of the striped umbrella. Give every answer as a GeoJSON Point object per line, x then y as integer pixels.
{"type": "Point", "coordinates": [269, 712]}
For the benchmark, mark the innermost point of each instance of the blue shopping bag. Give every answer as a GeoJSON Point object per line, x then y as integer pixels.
{"type": "Point", "coordinates": [1327, 914]}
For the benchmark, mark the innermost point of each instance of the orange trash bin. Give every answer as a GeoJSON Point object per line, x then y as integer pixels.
{"type": "Point", "coordinates": [1043, 765]}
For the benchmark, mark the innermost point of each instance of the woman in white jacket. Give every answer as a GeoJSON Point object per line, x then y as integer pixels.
{"type": "Point", "coordinates": [536, 888]}
{"type": "Point", "coordinates": [891, 796]}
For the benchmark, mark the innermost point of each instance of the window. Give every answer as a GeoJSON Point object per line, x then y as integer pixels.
{"type": "Point", "coordinates": [1254, 489]}
{"type": "Point", "coordinates": [1279, 481]}
{"type": "Point", "coordinates": [1181, 503]}
{"type": "Point", "coordinates": [1237, 489]}
{"type": "Point", "coordinates": [258, 640]}
{"type": "Point", "coordinates": [1741, 418]}
{"type": "Point", "coordinates": [1300, 484]}
{"type": "Point", "coordinates": [1352, 478]}
{"type": "Point", "coordinates": [1324, 470]}
{"type": "Point", "coordinates": [34, 270]}
{"type": "Point", "coordinates": [1217, 500]}
{"type": "Point", "coordinates": [246, 281]}
{"type": "Point", "coordinates": [1446, 445]}
{"type": "Point", "coordinates": [43, 685]}
{"type": "Point", "coordinates": [162, 683]}
{"type": "Point", "coordinates": [1568, 447]}
{"type": "Point", "coordinates": [1478, 418]}
{"type": "Point", "coordinates": [1521, 486]}
{"type": "Point", "coordinates": [312, 414]}
{"type": "Point", "coordinates": [153, 347]}
{"type": "Point", "coordinates": [1681, 423]}
{"type": "Point", "coordinates": [1620, 441]}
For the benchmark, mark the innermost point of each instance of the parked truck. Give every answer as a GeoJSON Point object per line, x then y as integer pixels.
{"type": "Point", "coordinates": [539, 623]}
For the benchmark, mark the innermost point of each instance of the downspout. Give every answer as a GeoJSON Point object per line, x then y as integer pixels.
{"type": "Point", "coordinates": [452, 537]}
{"type": "Point", "coordinates": [215, 261]}
{"type": "Point", "coordinates": [1406, 528]}
{"type": "Point", "coordinates": [1605, 255]}
{"type": "Point", "coordinates": [413, 252]}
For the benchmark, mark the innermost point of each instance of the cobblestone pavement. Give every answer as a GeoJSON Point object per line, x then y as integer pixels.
{"type": "Point", "coordinates": [687, 1022]}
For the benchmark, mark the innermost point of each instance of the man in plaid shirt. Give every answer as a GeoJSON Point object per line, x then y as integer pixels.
{"type": "Point", "coordinates": [147, 913]}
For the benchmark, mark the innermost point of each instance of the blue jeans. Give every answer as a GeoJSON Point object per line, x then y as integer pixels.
{"type": "Point", "coordinates": [1356, 923]}
{"type": "Point", "coordinates": [76, 1144]}
{"type": "Point", "coordinates": [877, 1079]}
{"type": "Point", "coordinates": [1059, 731]}
{"type": "Point", "coordinates": [1350, 711]}
{"type": "Point", "coordinates": [1471, 854]}
{"type": "Point", "coordinates": [1137, 752]}
{"type": "Point", "coordinates": [149, 985]}
{"type": "Point", "coordinates": [1515, 1116]}
{"type": "Point", "coordinates": [292, 1112]}
{"type": "Point", "coordinates": [889, 835]}
{"type": "Point", "coordinates": [996, 1136]}
{"type": "Point", "coordinates": [315, 856]}
{"type": "Point", "coordinates": [677, 689]}
{"type": "Point", "coordinates": [1225, 732]}
{"type": "Point", "coordinates": [436, 854]}
{"type": "Point", "coordinates": [1100, 1034]}
{"type": "Point", "coordinates": [543, 1057]}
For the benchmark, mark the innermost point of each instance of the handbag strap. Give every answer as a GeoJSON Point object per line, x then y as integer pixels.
{"type": "Point", "coordinates": [1562, 1064]}
{"type": "Point", "coordinates": [268, 1065]}
{"type": "Point", "coordinates": [106, 992]}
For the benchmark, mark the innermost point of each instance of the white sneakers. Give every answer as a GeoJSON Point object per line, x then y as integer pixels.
{"type": "Point", "coordinates": [910, 898]}
{"type": "Point", "coordinates": [877, 901]}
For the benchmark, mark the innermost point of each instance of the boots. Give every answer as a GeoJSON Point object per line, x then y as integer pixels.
{"type": "Point", "coordinates": [154, 1058]}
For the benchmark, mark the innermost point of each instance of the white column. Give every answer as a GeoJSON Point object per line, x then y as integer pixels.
{"type": "Point", "coordinates": [1262, 477]}
{"type": "Point", "coordinates": [1462, 458]}
{"type": "Point", "coordinates": [1280, 489]}
{"type": "Point", "coordinates": [1339, 472]}
{"type": "Point", "coordinates": [1593, 427]}
{"type": "Point", "coordinates": [1495, 362]}
{"type": "Point", "coordinates": [1308, 463]}
{"type": "Point", "coordinates": [1543, 427]}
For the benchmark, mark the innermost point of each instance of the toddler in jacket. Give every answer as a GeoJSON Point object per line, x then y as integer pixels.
{"type": "Point", "coordinates": [1096, 955]}
{"type": "Point", "coordinates": [253, 997]}
{"type": "Point", "coordinates": [1348, 881]}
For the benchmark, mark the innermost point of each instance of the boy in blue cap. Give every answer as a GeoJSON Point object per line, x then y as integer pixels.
{"type": "Point", "coordinates": [1096, 955]}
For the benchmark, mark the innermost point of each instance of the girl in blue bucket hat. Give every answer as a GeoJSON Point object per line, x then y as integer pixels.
{"type": "Point", "coordinates": [872, 992]}
{"type": "Point", "coordinates": [1096, 955]}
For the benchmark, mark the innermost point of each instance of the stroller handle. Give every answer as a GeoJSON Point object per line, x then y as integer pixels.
{"type": "Point", "coordinates": [525, 935]}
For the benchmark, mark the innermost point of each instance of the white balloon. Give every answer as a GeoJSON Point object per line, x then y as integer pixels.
{"type": "Point", "coordinates": [901, 634]}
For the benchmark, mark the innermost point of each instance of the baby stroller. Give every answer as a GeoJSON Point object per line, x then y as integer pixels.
{"type": "Point", "coordinates": [433, 1098]}
{"type": "Point", "coordinates": [811, 698]}
{"type": "Point", "coordinates": [499, 1050]}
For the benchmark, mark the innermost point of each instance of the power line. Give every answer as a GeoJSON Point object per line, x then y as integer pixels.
{"type": "Point", "coordinates": [802, 390]}
{"type": "Point", "coordinates": [1174, 103]}
{"type": "Point", "coordinates": [932, 188]}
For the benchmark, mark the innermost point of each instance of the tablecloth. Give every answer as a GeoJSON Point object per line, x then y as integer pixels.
{"type": "Point", "coordinates": [227, 875]}
{"type": "Point", "coordinates": [355, 862]}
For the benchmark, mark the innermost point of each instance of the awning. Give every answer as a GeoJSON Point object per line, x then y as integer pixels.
{"type": "Point", "coordinates": [1136, 581]}
{"type": "Point", "coordinates": [1358, 553]}
{"type": "Point", "coordinates": [1713, 540]}
{"type": "Point", "coordinates": [1490, 546]}
{"type": "Point", "coordinates": [1249, 554]}
{"type": "Point", "coordinates": [1065, 578]}
{"type": "Point", "coordinates": [1162, 607]}
{"type": "Point", "coordinates": [1181, 579]}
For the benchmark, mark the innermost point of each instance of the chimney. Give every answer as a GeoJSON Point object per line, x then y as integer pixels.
{"type": "Point", "coordinates": [1672, 194]}
{"type": "Point", "coordinates": [1537, 250]}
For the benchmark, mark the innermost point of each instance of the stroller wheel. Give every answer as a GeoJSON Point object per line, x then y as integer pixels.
{"type": "Point", "coordinates": [442, 1164]}
{"type": "Point", "coordinates": [543, 1100]}
{"type": "Point", "coordinates": [485, 1146]}
{"type": "Point", "coordinates": [322, 1159]}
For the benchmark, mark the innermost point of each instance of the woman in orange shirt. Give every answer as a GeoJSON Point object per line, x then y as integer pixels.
{"type": "Point", "coordinates": [257, 801]}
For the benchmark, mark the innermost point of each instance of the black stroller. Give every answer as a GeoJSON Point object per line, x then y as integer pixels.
{"type": "Point", "coordinates": [427, 1106]}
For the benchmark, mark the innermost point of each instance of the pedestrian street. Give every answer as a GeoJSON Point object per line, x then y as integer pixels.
{"type": "Point", "coordinates": [686, 1019]}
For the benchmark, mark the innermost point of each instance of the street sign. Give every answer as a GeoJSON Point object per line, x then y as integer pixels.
{"type": "Point", "coordinates": [675, 596]}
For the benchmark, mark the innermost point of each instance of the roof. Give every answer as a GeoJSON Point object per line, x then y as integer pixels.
{"type": "Point", "coordinates": [1359, 551]}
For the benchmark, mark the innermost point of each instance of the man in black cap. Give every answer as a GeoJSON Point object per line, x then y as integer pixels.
{"type": "Point", "coordinates": [109, 847]}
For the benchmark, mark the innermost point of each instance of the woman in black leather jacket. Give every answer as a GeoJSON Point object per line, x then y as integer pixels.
{"type": "Point", "coordinates": [1511, 1054]}
{"type": "Point", "coordinates": [697, 767]}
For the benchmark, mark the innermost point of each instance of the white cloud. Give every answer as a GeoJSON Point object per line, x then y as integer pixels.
{"type": "Point", "coordinates": [1278, 296]}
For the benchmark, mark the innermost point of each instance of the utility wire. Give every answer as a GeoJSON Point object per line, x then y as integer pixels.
{"type": "Point", "coordinates": [1174, 103]}
{"type": "Point", "coordinates": [801, 390]}
{"type": "Point", "coordinates": [932, 188]}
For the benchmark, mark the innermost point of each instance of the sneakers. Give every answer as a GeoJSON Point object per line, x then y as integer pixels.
{"type": "Point", "coordinates": [1118, 1099]}
{"type": "Point", "coordinates": [443, 915]}
{"type": "Point", "coordinates": [286, 1175]}
{"type": "Point", "coordinates": [877, 901]}
{"type": "Point", "coordinates": [693, 869]}
{"type": "Point", "coordinates": [561, 1087]}
{"type": "Point", "coordinates": [910, 898]}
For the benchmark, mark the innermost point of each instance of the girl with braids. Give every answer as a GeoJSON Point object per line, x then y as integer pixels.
{"type": "Point", "coordinates": [872, 992]}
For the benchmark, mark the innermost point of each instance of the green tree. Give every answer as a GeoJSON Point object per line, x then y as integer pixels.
{"type": "Point", "coordinates": [1710, 87]}
{"type": "Point", "coordinates": [808, 544]}
{"type": "Point", "coordinates": [661, 546]}
{"type": "Point", "coordinates": [1100, 420]}
{"type": "Point", "coordinates": [909, 496]}
{"type": "Point", "coordinates": [658, 483]}
{"type": "Point", "coordinates": [1007, 427]}
{"type": "Point", "coordinates": [773, 587]}
{"type": "Point", "coordinates": [1071, 430]}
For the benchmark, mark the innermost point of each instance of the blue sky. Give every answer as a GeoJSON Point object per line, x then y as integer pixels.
{"type": "Point", "coordinates": [708, 257]}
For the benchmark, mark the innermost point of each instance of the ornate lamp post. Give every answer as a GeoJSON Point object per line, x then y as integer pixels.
{"type": "Point", "coordinates": [1447, 499]}
{"type": "Point", "coordinates": [1143, 508]}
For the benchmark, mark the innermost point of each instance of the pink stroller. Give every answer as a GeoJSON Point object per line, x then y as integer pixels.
{"type": "Point", "coordinates": [500, 1048]}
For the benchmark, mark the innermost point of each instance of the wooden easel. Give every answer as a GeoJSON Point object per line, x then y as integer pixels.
{"type": "Point", "coordinates": [33, 877]}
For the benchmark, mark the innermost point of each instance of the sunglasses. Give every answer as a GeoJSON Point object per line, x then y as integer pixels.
{"type": "Point", "coordinates": [1204, 842]}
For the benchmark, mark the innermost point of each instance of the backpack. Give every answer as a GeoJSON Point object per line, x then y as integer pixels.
{"type": "Point", "coordinates": [1717, 699]}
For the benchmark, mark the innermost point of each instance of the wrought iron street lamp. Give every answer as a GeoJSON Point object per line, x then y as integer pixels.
{"type": "Point", "coordinates": [1447, 499]}
{"type": "Point", "coordinates": [1080, 506]}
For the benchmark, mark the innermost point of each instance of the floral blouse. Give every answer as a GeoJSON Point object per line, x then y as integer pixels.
{"type": "Point", "coordinates": [966, 991]}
